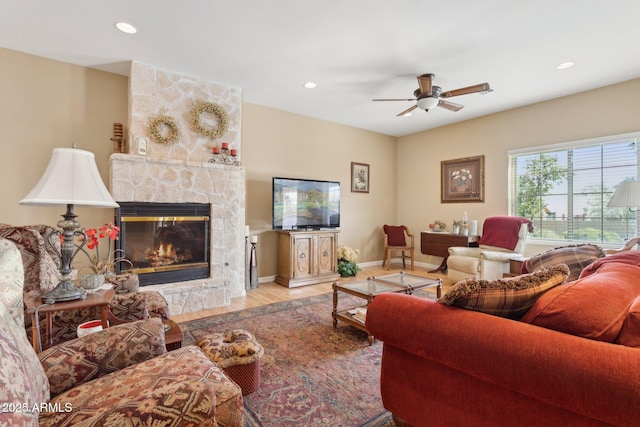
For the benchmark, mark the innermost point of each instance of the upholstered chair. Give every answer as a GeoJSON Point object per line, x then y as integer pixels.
{"type": "Point", "coordinates": [503, 238]}
{"type": "Point", "coordinates": [399, 241]}
{"type": "Point", "coordinates": [122, 375]}
{"type": "Point", "coordinates": [40, 263]}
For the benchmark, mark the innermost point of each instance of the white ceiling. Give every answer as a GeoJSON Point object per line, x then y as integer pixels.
{"type": "Point", "coordinates": [355, 50]}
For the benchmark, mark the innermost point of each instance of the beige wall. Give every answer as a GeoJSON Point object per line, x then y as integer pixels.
{"type": "Point", "coordinates": [277, 143]}
{"type": "Point", "coordinates": [606, 111]}
{"type": "Point", "coordinates": [47, 104]}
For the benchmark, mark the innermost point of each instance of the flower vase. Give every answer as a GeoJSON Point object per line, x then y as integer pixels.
{"type": "Point", "coordinates": [91, 281]}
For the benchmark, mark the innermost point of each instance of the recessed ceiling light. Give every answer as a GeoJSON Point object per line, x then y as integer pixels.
{"type": "Point", "coordinates": [126, 28]}
{"type": "Point", "coordinates": [310, 85]}
{"type": "Point", "coordinates": [565, 65]}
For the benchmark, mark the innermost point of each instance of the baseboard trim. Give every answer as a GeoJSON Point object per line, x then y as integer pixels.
{"type": "Point", "coordinates": [268, 279]}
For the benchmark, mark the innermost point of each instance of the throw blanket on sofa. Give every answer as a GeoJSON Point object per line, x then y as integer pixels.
{"type": "Point", "coordinates": [502, 231]}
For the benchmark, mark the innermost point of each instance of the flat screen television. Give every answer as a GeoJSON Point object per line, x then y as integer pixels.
{"type": "Point", "coordinates": [305, 204]}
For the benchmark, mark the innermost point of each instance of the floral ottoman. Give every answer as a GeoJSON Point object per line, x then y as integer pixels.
{"type": "Point", "coordinates": [238, 353]}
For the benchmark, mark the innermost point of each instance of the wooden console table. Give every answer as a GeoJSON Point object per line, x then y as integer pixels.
{"type": "Point", "coordinates": [438, 244]}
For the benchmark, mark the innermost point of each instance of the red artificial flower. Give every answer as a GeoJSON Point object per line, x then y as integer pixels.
{"type": "Point", "coordinates": [94, 235]}
{"type": "Point", "coordinates": [93, 240]}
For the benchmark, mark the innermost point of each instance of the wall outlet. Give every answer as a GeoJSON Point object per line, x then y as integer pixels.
{"type": "Point", "coordinates": [141, 146]}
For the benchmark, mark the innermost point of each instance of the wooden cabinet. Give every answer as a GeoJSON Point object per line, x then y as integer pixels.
{"type": "Point", "coordinates": [307, 257]}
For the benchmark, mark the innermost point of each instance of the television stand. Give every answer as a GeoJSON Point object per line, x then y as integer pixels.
{"type": "Point", "coordinates": [307, 257]}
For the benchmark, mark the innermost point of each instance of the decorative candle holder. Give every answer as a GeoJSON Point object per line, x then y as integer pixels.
{"type": "Point", "coordinates": [225, 156]}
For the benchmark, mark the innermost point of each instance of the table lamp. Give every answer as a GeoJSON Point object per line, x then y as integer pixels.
{"type": "Point", "coordinates": [72, 178]}
{"type": "Point", "coordinates": [627, 195]}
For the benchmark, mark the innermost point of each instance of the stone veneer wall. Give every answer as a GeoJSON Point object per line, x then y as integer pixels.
{"type": "Point", "coordinates": [180, 172]}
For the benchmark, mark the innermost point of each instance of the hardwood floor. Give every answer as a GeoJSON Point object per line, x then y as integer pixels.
{"type": "Point", "coordinates": [269, 293]}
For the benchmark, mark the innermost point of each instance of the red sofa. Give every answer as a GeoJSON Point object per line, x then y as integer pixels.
{"type": "Point", "coordinates": [446, 366]}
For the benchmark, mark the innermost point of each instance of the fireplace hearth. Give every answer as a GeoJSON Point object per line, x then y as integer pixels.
{"type": "Point", "coordinates": [165, 242]}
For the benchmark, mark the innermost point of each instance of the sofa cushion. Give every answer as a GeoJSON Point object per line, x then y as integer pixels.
{"type": "Point", "coordinates": [592, 307]}
{"type": "Point", "coordinates": [627, 257]}
{"type": "Point", "coordinates": [129, 307]}
{"type": "Point", "coordinates": [510, 297]}
{"type": "Point", "coordinates": [181, 387]}
{"type": "Point", "coordinates": [92, 356]}
{"type": "Point", "coordinates": [124, 283]}
{"type": "Point", "coordinates": [576, 257]}
{"type": "Point", "coordinates": [22, 379]}
{"type": "Point", "coordinates": [630, 333]}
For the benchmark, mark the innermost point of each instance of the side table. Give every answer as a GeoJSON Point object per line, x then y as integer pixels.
{"type": "Point", "coordinates": [35, 307]}
{"type": "Point", "coordinates": [438, 244]}
{"type": "Point", "coordinates": [173, 335]}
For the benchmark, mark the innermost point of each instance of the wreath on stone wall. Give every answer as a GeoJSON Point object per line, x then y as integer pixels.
{"type": "Point", "coordinates": [164, 130]}
{"type": "Point", "coordinates": [217, 111]}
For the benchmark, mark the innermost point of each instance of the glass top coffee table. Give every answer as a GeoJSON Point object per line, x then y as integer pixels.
{"type": "Point", "coordinates": [368, 289]}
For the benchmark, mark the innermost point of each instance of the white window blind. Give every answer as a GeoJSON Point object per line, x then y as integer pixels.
{"type": "Point", "coordinates": [565, 188]}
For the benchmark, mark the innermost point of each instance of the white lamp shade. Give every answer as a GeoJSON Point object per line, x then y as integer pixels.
{"type": "Point", "coordinates": [427, 102]}
{"type": "Point", "coordinates": [72, 177]}
{"type": "Point", "coordinates": [627, 195]}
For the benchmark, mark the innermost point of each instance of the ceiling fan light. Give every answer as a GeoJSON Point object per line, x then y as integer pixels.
{"type": "Point", "coordinates": [125, 27]}
{"type": "Point", "coordinates": [427, 103]}
{"type": "Point", "coordinates": [565, 65]}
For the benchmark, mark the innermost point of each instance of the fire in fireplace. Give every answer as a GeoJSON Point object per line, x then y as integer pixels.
{"type": "Point", "coordinates": [165, 242]}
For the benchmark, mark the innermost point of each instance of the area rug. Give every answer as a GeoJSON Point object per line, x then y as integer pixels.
{"type": "Point", "coordinates": [312, 375]}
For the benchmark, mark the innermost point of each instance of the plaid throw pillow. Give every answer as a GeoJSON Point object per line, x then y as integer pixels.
{"type": "Point", "coordinates": [575, 257]}
{"type": "Point", "coordinates": [510, 297]}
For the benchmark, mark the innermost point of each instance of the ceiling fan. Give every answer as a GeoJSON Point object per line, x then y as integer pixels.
{"type": "Point", "coordinates": [428, 96]}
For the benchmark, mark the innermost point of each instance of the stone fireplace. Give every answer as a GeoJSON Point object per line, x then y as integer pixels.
{"type": "Point", "coordinates": [181, 173]}
{"type": "Point", "coordinates": [164, 242]}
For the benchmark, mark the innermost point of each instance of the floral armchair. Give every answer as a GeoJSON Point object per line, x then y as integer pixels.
{"type": "Point", "coordinates": [122, 375]}
{"type": "Point", "coordinates": [41, 262]}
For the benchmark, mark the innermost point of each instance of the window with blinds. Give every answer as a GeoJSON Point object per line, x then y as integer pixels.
{"type": "Point", "coordinates": [565, 188]}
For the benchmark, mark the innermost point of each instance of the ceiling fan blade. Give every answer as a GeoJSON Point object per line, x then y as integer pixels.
{"type": "Point", "coordinates": [450, 106]}
{"type": "Point", "coordinates": [398, 99]}
{"type": "Point", "coordinates": [425, 82]}
{"type": "Point", "coordinates": [483, 87]}
{"type": "Point", "coordinates": [407, 111]}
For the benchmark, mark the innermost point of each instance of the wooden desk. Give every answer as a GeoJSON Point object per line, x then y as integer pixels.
{"type": "Point", "coordinates": [438, 244]}
{"type": "Point", "coordinates": [34, 303]}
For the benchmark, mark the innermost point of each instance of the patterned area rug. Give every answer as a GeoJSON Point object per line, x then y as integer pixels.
{"type": "Point", "coordinates": [311, 374]}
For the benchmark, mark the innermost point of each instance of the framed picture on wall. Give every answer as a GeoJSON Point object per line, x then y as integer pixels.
{"type": "Point", "coordinates": [462, 180]}
{"type": "Point", "coordinates": [359, 177]}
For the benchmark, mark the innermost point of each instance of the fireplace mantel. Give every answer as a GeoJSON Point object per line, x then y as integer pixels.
{"type": "Point", "coordinates": [136, 178]}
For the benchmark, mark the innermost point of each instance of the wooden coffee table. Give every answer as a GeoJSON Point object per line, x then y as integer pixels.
{"type": "Point", "coordinates": [173, 336]}
{"type": "Point", "coordinates": [368, 289]}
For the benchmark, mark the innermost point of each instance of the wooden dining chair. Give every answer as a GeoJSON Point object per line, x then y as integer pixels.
{"type": "Point", "coordinates": [397, 238]}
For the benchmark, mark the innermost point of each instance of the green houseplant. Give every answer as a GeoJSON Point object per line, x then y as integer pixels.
{"type": "Point", "coordinates": [347, 258]}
